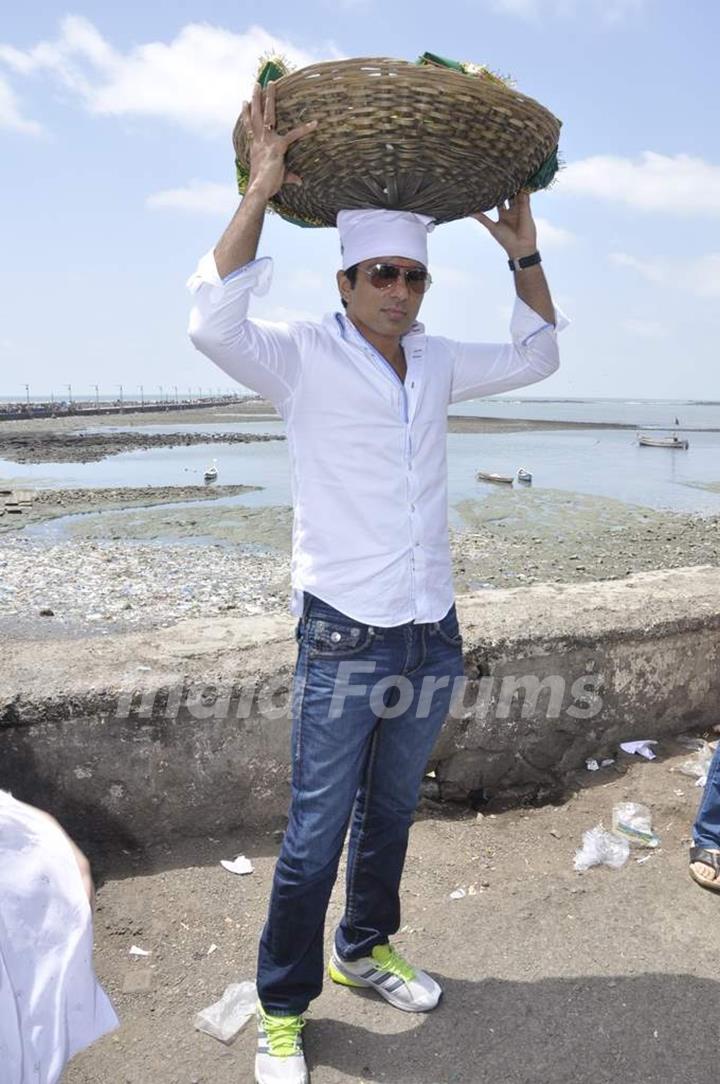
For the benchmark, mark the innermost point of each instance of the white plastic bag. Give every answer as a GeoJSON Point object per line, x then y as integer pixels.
{"type": "Point", "coordinates": [698, 766]}
{"type": "Point", "coordinates": [601, 848]}
{"type": "Point", "coordinates": [226, 1017]}
{"type": "Point", "coordinates": [633, 822]}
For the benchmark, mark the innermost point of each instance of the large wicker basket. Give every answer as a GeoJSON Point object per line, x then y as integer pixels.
{"type": "Point", "coordinates": [434, 137]}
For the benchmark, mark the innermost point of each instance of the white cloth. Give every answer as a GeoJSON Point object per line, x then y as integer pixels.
{"type": "Point", "coordinates": [370, 234]}
{"type": "Point", "coordinates": [51, 1004]}
{"type": "Point", "coordinates": [367, 452]}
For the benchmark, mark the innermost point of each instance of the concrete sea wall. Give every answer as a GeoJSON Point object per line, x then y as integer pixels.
{"type": "Point", "coordinates": [185, 730]}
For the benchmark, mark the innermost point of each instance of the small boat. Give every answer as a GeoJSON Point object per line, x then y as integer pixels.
{"type": "Point", "coordinates": [211, 473]}
{"type": "Point", "coordinates": [490, 476]}
{"type": "Point", "coordinates": [663, 442]}
{"type": "Point", "coordinates": [524, 475]}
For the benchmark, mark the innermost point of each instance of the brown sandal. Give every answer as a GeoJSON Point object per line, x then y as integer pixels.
{"type": "Point", "coordinates": [706, 858]}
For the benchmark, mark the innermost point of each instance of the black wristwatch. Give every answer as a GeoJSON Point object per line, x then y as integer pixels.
{"type": "Point", "coordinates": [524, 261]}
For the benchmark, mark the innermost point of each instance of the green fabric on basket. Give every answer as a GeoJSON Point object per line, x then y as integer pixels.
{"type": "Point", "coordinates": [544, 176]}
{"type": "Point", "coordinates": [270, 71]}
{"type": "Point", "coordinates": [441, 61]}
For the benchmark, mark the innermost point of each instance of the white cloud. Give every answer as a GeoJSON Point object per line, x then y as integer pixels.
{"type": "Point", "coordinates": [652, 271]}
{"type": "Point", "coordinates": [550, 236]}
{"type": "Point", "coordinates": [612, 12]}
{"type": "Point", "coordinates": [204, 197]}
{"type": "Point", "coordinates": [644, 329]}
{"type": "Point", "coordinates": [681, 183]}
{"type": "Point", "coordinates": [700, 276]}
{"type": "Point", "coordinates": [10, 114]}
{"type": "Point", "coordinates": [452, 277]}
{"type": "Point", "coordinates": [197, 80]}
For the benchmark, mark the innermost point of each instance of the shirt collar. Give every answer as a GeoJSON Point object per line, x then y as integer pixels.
{"type": "Point", "coordinates": [340, 325]}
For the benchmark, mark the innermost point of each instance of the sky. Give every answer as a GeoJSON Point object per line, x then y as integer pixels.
{"type": "Point", "coordinates": [117, 174]}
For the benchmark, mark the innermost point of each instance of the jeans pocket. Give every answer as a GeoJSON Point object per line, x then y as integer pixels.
{"type": "Point", "coordinates": [333, 638]}
{"type": "Point", "coordinates": [448, 629]}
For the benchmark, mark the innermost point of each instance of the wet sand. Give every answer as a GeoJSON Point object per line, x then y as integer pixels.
{"type": "Point", "coordinates": [47, 504]}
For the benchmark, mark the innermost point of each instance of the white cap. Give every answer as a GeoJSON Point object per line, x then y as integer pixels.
{"type": "Point", "coordinates": [369, 234]}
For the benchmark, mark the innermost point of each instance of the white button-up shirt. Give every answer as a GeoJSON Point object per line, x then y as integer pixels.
{"type": "Point", "coordinates": [367, 451]}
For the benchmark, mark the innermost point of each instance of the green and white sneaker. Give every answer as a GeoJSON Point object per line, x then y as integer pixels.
{"type": "Point", "coordinates": [280, 1058]}
{"type": "Point", "coordinates": [394, 979]}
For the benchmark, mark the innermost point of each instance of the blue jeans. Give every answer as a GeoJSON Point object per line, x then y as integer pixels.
{"type": "Point", "coordinates": [706, 830]}
{"type": "Point", "coordinates": [367, 706]}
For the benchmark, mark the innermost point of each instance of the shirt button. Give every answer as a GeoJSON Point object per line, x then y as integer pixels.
{"type": "Point", "coordinates": [412, 507]}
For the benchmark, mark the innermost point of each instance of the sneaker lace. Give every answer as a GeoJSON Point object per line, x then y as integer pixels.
{"type": "Point", "coordinates": [391, 960]}
{"type": "Point", "coordinates": [283, 1034]}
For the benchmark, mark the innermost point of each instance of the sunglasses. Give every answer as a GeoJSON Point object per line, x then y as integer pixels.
{"type": "Point", "coordinates": [383, 275]}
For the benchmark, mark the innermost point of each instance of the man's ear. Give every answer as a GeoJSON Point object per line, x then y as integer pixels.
{"type": "Point", "coordinates": [343, 284]}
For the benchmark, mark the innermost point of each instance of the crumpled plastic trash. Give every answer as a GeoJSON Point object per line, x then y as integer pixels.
{"type": "Point", "coordinates": [698, 766]}
{"type": "Point", "coordinates": [225, 1018]}
{"type": "Point", "coordinates": [458, 894]}
{"type": "Point", "coordinates": [641, 748]}
{"type": "Point", "coordinates": [601, 848]}
{"type": "Point", "coordinates": [594, 765]}
{"type": "Point", "coordinates": [633, 822]}
{"type": "Point", "coordinates": [240, 865]}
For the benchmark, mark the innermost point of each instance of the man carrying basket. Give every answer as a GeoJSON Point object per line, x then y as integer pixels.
{"type": "Point", "coordinates": [364, 397]}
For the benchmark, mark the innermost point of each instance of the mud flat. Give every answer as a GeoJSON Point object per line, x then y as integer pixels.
{"type": "Point", "coordinates": [47, 446]}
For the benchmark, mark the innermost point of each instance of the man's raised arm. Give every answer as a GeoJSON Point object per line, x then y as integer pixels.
{"type": "Point", "coordinates": [260, 355]}
{"type": "Point", "coordinates": [481, 369]}
{"type": "Point", "coordinates": [268, 173]}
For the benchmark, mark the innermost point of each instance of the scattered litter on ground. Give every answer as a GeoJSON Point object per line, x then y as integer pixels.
{"type": "Point", "coordinates": [640, 748]}
{"type": "Point", "coordinates": [225, 1018]}
{"type": "Point", "coordinates": [213, 948]}
{"type": "Point", "coordinates": [698, 765]}
{"type": "Point", "coordinates": [645, 859]}
{"type": "Point", "coordinates": [239, 865]}
{"type": "Point", "coordinates": [135, 951]}
{"type": "Point", "coordinates": [594, 765]}
{"type": "Point", "coordinates": [458, 894]}
{"type": "Point", "coordinates": [601, 848]}
{"type": "Point", "coordinates": [634, 822]}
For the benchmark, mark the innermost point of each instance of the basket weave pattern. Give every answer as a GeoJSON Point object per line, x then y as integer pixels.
{"type": "Point", "coordinates": [398, 135]}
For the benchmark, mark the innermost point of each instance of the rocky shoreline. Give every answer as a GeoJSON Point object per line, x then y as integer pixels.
{"type": "Point", "coordinates": [47, 504]}
{"type": "Point", "coordinates": [151, 555]}
{"type": "Point", "coordinates": [47, 446]}
{"type": "Point", "coordinates": [152, 566]}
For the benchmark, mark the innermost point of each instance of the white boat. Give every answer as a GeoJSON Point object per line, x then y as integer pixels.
{"type": "Point", "coordinates": [211, 473]}
{"type": "Point", "coordinates": [524, 475]}
{"type": "Point", "coordinates": [663, 442]}
{"type": "Point", "coordinates": [491, 476]}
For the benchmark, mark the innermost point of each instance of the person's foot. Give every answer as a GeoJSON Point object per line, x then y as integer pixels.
{"type": "Point", "coordinates": [393, 977]}
{"type": "Point", "coordinates": [280, 1058]}
{"type": "Point", "coordinates": [705, 867]}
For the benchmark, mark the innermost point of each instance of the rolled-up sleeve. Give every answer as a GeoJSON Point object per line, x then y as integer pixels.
{"type": "Point", "coordinates": [263, 356]}
{"type": "Point", "coordinates": [489, 368]}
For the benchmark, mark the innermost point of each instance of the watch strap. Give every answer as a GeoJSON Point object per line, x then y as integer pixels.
{"type": "Point", "coordinates": [524, 261]}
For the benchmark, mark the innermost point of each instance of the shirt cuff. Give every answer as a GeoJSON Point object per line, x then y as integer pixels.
{"type": "Point", "coordinates": [255, 276]}
{"type": "Point", "coordinates": [526, 323]}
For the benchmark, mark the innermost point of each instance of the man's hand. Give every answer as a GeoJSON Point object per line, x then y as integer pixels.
{"type": "Point", "coordinates": [515, 228]}
{"type": "Point", "coordinates": [268, 172]}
